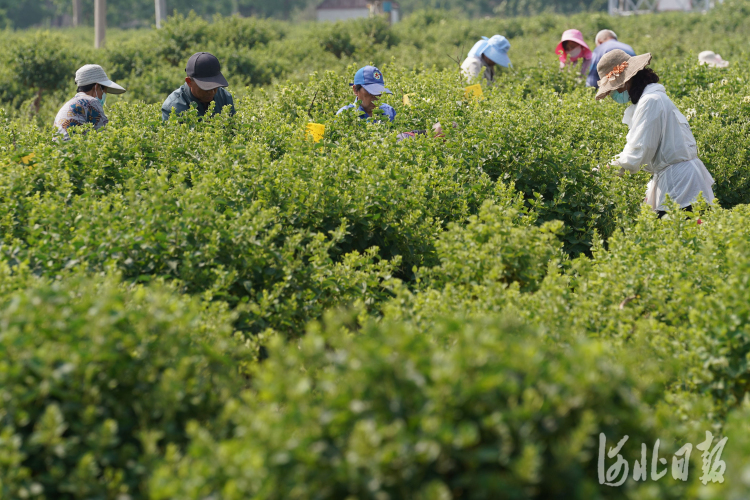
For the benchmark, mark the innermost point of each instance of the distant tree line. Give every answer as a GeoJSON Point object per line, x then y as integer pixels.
{"type": "Point", "coordinates": [133, 13]}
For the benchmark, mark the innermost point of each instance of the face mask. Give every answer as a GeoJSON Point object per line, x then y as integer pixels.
{"type": "Point", "coordinates": [575, 52]}
{"type": "Point", "coordinates": [621, 97]}
{"type": "Point", "coordinates": [103, 98]}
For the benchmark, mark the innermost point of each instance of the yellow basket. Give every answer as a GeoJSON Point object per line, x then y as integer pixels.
{"type": "Point", "coordinates": [474, 91]}
{"type": "Point", "coordinates": [316, 131]}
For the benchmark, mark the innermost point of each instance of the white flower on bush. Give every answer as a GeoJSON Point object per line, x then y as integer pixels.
{"type": "Point", "coordinates": [746, 99]}
{"type": "Point", "coordinates": [690, 113]}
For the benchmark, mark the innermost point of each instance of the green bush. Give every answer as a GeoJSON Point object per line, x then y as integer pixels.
{"type": "Point", "coordinates": [482, 410]}
{"type": "Point", "coordinates": [44, 63]}
{"type": "Point", "coordinates": [224, 233]}
{"type": "Point", "coordinates": [97, 381]}
{"type": "Point", "coordinates": [494, 247]}
{"type": "Point", "coordinates": [177, 39]}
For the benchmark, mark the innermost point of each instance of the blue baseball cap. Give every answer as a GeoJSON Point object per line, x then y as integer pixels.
{"type": "Point", "coordinates": [371, 79]}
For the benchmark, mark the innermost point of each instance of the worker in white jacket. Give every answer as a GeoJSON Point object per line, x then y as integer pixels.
{"type": "Point", "coordinates": [484, 56]}
{"type": "Point", "coordinates": [659, 140]}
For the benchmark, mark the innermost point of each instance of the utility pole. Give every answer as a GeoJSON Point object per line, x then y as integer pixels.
{"type": "Point", "coordinates": [161, 11]}
{"type": "Point", "coordinates": [76, 12]}
{"type": "Point", "coordinates": [100, 22]}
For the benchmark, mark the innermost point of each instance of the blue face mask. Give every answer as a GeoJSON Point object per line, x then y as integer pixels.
{"type": "Point", "coordinates": [621, 97]}
{"type": "Point", "coordinates": [103, 98]}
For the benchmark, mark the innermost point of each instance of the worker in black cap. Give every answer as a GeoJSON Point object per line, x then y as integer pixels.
{"type": "Point", "coordinates": [204, 83]}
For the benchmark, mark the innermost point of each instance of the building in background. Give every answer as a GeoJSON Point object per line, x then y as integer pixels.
{"type": "Point", "coordinates": [667, 5]}
{"type": "Point", "coordinates": [628, 7]}
{"type": "Point", "coordinates": [338, 10]}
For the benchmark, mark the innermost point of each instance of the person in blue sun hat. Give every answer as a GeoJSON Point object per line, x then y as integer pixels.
{"type": "Point", "coordinates": [368, 86]}
{"type": "Point", "coordinates": [484, 56]}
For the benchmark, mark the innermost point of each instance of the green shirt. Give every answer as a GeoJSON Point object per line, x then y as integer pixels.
{"type": "Point", "coordinates": [182, 99]}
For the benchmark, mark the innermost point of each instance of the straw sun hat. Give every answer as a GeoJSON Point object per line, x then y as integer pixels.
{"type": "Point", "coordinates": [616, 68]}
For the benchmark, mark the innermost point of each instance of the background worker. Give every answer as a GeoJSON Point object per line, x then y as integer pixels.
{"type": "Point", "coordinates": [88, 104]}
{"type": "Point", "coordinates": [204, 84]}
{"type": "Point", "coordinates": [712, 59]}
{"type": "Point", "coordinates": [659, 140]}
{"type": "Point", "coordinates": [606, 41]}
{"type": "Point", "coordinates": [368, 86]}
{"type": "Point", "coordinates": [484, 56]}
{"type": "Point", "coordinates": [572, 49]}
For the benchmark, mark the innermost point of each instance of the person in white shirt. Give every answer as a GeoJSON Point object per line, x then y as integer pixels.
{"type": "Point", "coordinates": [659, 139]}
{"type": "Point", "coordinates": [484, 56]}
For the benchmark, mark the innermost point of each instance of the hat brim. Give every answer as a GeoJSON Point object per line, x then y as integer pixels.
{"type": "Point", "coordinates": [376, 89]}
{"type": "Point", "coordinates": [497, 57]}
{"type": "Point", "coordinates": [112, 87]}
{"type": "Point", "coordinates": [210, 82]}
{"type": "Point", "coordinates": [635, 64]}
{"type": "Point", "coordinates": [579, 41]}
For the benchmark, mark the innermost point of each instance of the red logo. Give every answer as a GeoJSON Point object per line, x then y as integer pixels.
{"type": "Point", "coordinates": [377, 75]}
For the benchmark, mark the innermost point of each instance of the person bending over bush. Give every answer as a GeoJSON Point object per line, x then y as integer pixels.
{"type": "Point", "coordinates": [660, 139]}
{"type": "Point", "coordinates": [204, 84]}
{"type": "Point", "coordinates": [88, 104]}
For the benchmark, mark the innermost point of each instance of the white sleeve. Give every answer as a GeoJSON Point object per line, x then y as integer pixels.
{"type": "Point", "coordinates": [644, 136]}
{"type": "Point", "coordinates": [472, 68]}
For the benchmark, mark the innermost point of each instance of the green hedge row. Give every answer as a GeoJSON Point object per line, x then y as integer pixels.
{"type": "Point", "coordinates": [222, 308]}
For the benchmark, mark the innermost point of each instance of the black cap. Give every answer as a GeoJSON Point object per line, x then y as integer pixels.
{"type": "Point", "coordinates": [205, 70]}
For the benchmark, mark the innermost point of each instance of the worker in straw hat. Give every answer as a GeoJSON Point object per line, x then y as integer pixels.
{"type": "Point", "coordinates": [483, 58]}
{"type": "Point", "coordinates": [88, 104]}
{"type": "Point", "coordinates": [660, 140]}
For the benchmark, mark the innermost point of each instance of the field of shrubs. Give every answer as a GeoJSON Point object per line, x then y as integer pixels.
{"type": "Point", "coordinates": [225, 309]}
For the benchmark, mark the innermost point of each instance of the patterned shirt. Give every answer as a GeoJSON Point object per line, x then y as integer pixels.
{"type": "Point", "coordinates": [81, 109]}
{"type": "Point", "coordinates": [388, 111]}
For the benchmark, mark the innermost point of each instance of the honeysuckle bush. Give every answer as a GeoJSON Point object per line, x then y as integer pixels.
{"type": "Point", "coordinates": [506, 301]}
{"type": "Point", "coordinates": [675, 288]}
{"type": "Point", "coordinates": [479, 409]}
{"type": "Point", "coordinates": [257, 52]}
{"type": "Point", "coordinates": [96, 380]}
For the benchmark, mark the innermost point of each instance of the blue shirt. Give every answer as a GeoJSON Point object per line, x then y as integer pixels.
{"type": "Point", "coordinates": [387, 111]}
{"type": "Point", "coordinates": [608, 46]}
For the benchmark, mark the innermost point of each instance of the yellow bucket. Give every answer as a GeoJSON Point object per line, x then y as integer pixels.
{"type": "Point", "coordinates": [316, 131]}
{"type": "Point", "coordinates": [474, 91]}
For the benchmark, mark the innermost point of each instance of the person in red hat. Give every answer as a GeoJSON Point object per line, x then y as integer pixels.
{"type": "Point", "coordinates": [572, 49]}
{"type": "Point", "coordinates": [204, 84]}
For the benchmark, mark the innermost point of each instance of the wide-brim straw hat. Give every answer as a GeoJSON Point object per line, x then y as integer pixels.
{"type": "Point", "coordinates": [616, 68]}
{"type": "Point", "coordinates": [93, 73]}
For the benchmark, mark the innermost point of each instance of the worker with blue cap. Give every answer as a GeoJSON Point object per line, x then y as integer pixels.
{"type": "Point", "coordinates": [368, 86]}
{"type": "Point", "coordinates": [484, 56]}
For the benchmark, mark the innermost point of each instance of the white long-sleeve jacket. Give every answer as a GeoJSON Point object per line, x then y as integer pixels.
{"type": "Point", "coordinates": [660, 141]}
{"type": "Point", "coordinates": [659, 134]}
{"type": "Point", "coordinates": [472, 67]}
